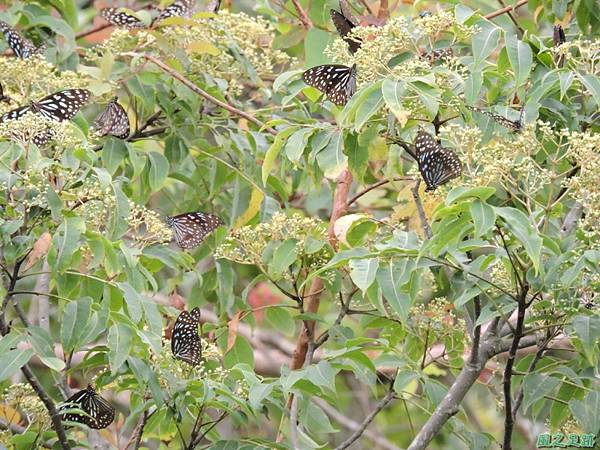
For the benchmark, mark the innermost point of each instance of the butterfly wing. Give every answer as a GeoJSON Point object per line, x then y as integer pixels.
{"type": "Point", "coordinates": [113, 120]}
{"type": "Point", "coordinates": [336, 81]}
{"type": "Point", "coordinates": [62, 105]}
{"type": "Point", "coordinates": [344, 26]}
{"type": "Point", "coordinates": [121, 19]}
{"type": "Point", "coordinates": [185, 340]}
{"type": "Point", "coordinates": [15, 113]}
{"type": "Point", "coordinates": [558, 36]}
{"type": "Point", "coordinates": [213, 6]}
{"type": "Point", "coordinates": [98, 413]}
{"type": "Point", "coordinates": [22, 48]}
{"type": "Point", "coordinates": [190, 229]}
{"type": "Point", "coordinates": [179, 8]}
{"type": "Point", "coordinates": [437, 164]}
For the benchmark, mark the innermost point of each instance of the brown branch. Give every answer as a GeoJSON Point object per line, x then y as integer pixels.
{"type": "Point", "coordinates": [303, 17]}
{"type": "Point", "coordinates": [420, 210]}
{"type": "Point", "coordinates": [92, 30]}
{"type": "Point", "coordinates": [383, 10]}
{"type": "Point", "coordinates": [367, 7]}
{"type": "Point", "coordinates": [506, 9]}
{"type": "Point", "coordinates": [207, 96]}
{"type": "Point", "coordinates": [375, 186]}
{"type": "Point", "coordinates": [391, 394]}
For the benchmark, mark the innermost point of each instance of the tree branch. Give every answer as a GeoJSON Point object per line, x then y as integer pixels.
{"type": "Point", "coordinates": [391, 394]}
{"type": "Point", "coordinates": [420, 210]}
{"type": "Point", "coordinates": [506, 9]}
{"type": "Point", "coordinates": [303, 17]}
{"type": "Point", "coordinates": [205, 94]}
{"type": "Point", "coordinates": [375, 186]}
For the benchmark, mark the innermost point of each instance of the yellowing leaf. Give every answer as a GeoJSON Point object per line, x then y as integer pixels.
{"type": "Point", "coordinates": [378, 149]}
{"type": "Point", "coordinates": [9, 415]}
{"type": "Point", "coordinates": [203, 47]}
{"type": "Point", "coordinates": [40, 249]}
{"type": "Point", "coordinates": [343, 225]}
{"type": "Point", "coordinates": [402, 115]}
{"type": "Point", "coordinates": [256, 199]}
{"type": "Point", "coordinates": [232, 328]}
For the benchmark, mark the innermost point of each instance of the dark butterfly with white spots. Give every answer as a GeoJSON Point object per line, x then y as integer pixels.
{"type": "Point", "coordinates": [113, 120]}
{"type": "Point", "coordinates": [437, 164]}
{"type": "Point", "coordinates": [345, 23]}
{"type": "Point", "coordinates": [97, 412]}
{"type": "Point", "coordinates": [514, 125]}
{"type": "Point", "coordinates": [21, 47]}
{"type": "Point", "coordinates": [336, 81]}
{"type": "Point", "coordinates": [185, 340]}
{"type": "Point", "coordinates": [60, 106]}
{"type": "Point", "coordinates": [438, 54]}
{"type": "Point", "coordinates": [190, 229]}
{"type": "Point", "coordinates": [3, 98]}
{"type": "Point", "coordinates": [119, 18]}
{"type": "Point", "coordinates": [179, 8]}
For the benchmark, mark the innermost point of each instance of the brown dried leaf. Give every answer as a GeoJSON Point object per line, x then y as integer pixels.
{"type": "Point", "coordinates": [40, 249]}
{"type": "Point", "coordinates": [232, 330]}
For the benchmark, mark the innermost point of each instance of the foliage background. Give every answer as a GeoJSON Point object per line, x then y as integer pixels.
{"type": "Point", "coordinates": [411, 303]}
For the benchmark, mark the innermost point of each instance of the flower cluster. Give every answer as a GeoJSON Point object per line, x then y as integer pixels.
{"type": "Point", "coordinates": [433, 25]}
{"type": "Point", "coordinates": [31, 125]}
{"type": "Point", "coordinates": [146, 226]}
{"type": "Point", "coordinates": [33, 78]}
{"type": "Point", "coordinates": [24, 401]}
{"type": "Point", "coordinates": [247, 244]}
{"type": "Point", "coordinates": [579, 54]}
{"type": "Point", "coordinates": [437, 315]}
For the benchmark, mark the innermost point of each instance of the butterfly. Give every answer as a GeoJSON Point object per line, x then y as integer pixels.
{"type": "Point", "coordinates": [113, 120]}
{"type": "Point", "coordinates": [514, 125]}
{"type": "Point", "coordinates": [98, 413]}
{"type": "Point", "coordinates": [22, 48]}
{"type": "Point", "coordinates": [60, 106]}
{"type": "Point", "coordinates": [3, 98]}
{"type": "Point", "coordinates": [345, 23]}
{"type": "Point", "coordinates": [121, 19]}
{"type": "Point", "coordinates": [438, 54]}
{"type": "Point", "coordinates": [179, 8]}
{"type": "Point", "coordinates": [337, 82]}
{"type": "Point", "coordinates": [437, 164]}
{"type": "Point", "coordinates": [191, 228]}
{"type": "Point", "coordinates": [185, 340]}
{"type": "Point", "coordinates": [558, 36]}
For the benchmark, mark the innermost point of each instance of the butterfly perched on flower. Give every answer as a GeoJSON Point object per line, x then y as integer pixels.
{"type": "Point", "coordinates": [437, 164]}
{"type": "Point", "coordinates": [179, 8]}
{"type": "Point", "coordinates": [185, 340]}
{"type": "Point", "coordinates": [120, 18]}
{"type": "Point", "coordinates": [344, 22]}
{"type": "Point", "coordinates": [113, 120]}
{"type": "Point", "coordinates": [60, 106]}
{"type": "Point", "coordinates": [336, 81]}
{"type": "Point", "coordinates": [514, 125]}
{"type": "Point", "coordinates": [21, 47]}
{"type": "Point", "coordinates": [190, 229]}
{"type": "Point", "coordinates": [96, 413]}
{"type": "Point", "coordinates": [558, 35]}
{"type": "Point", "coordinates": [438, 54]}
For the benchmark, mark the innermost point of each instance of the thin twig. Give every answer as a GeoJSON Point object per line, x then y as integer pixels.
{"type": "Point", "coordinates": [420, 210]}
{"type": "Point", "coordinates": [391, 394]}
{"type": "Point", "coordinates": [506, 9]}
{"type": "Point", "coordinates": [375, 186]}
{"type": "Point", "coordinates": [92, 30]}
{"type": "Point", "coordinates": [304, 19]}
{"type": "Point", "coordinates": [512, 17]}
{"type": "Point", "coordinates": [206, 95]}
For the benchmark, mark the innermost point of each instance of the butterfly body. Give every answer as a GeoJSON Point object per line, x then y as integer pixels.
{"type": "Point", "coordinates": [185, 340]}
{"type": "Point", "coordinates": [21, 47]}
{"type": "Point", "coordinates": [514, 125]}
{"type": "Point", "coordinates": [113, 120]}
{"type": "Point", "coordinates": [190, 229]}
{"type": "Point", "coordinates": [344, 24]}
{"type": "Point", "coordinates": [98, 413]}
{"type": "Point", "coordinates": [437, 164]}
{"type": "Point", "coordinates": [336, 81]}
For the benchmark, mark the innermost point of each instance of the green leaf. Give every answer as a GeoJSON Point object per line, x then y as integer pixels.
{"type": "Point", "coordinates": [535, 387]}
{"type": "Point", "coordinates": [485, 42]}
{"type": "Point", "coordinates": [284, 256]}
{"type": "Point", "coordinates": [484, 217]}
{"type": "Point", "coordinates": [520, 58]}
{"type": "Point", "coordinates": [41, 342]}
{"type": "Point", "coordinates": [113, 153]}
{"type": "Point", "coordinates": [403, 379]}
{"type": "Point", "coordinates": [240, 353]}
{"type": "Point", "coordinates": [76, 313]}
{"type": "Point", "coordinates": [12, 361]}
{"type": "Point", "coordinates": [158, 170]}
{"type": "Point", "coordinates": [519, 225]}
{"type": "Point", "coordinates": [393, 93]}
{"type": "Point", "coordinates": [133, 300]}
{"type": "Point", "coordinates": [296, 144]}
{"type": "Point", "coordinates": [119, 345]}
{"type": "Point", "coordinates": [592, 84]}
{"type": "Point", "coordinates": [66, 241]}
{"type": "Point", "coordinates": [462, 192]}
{"type": "Point", "coordinates": [331, 159]}
{"type": "Point", "coordinates": [363, 272]}
{"type": "Point", "coordinates": [322, 375]}
{"type": "Point", "coordinates": [588, 331]}
{"type": "Point", "coordinates": [281, 319]}
{"type": "Point", "coordinates": [586, 412]}
{"type": "Point", "coordinates": [391, 277]}
{"type": "Point", "coordinates": [369, 106]}
{"type": "Point", "coordinates": [273, 152]}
